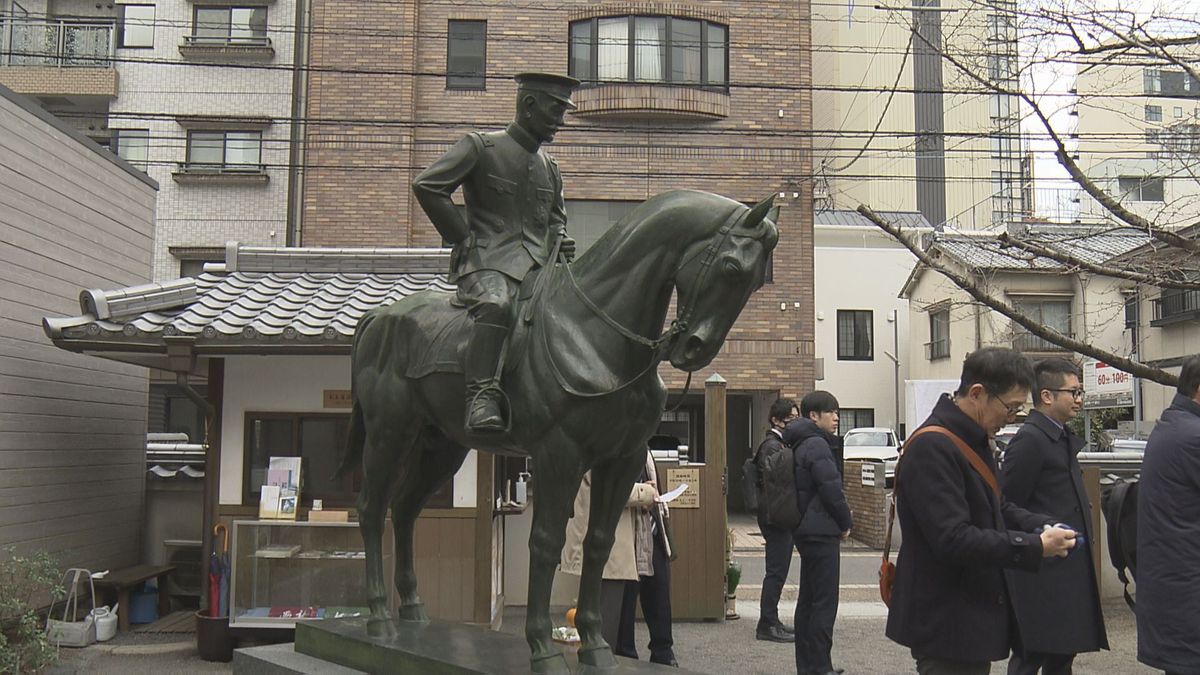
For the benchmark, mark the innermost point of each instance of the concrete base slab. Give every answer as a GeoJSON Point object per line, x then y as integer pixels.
{"type": "Point", "coordinates": [283, 659]}
{"type": "Point", "coordinates": [432, 648]}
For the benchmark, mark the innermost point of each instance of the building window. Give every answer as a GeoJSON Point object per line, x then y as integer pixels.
{"type": "Point", "coordinates": [588, 219]}
{"type": "Point", "coordinates": [855, 418]}
{"type": "Point", "coordinates": [137, 26]}
{"type": "Point", "coordinates": [1054, 314]}
{"type": "Point", "coordinates": [225, 150]}
{"type": "Point", "coordinates": [318, 439]}
{"type": "Point", "coordinates": [855, 335]}
{"type": "Point", "coordinates": [1177, 112]}
{"type": "Point", "coordinates": [652, 49]}
{"type": "Point", "coordinates": [939, 335]}
{"type": "Point", "coordinates": [132, 145]}
{"type": "Point", "coordinates": [1152, 81]}
{"type": "Point", "coordinates": [1141, 188]}
{"type": "Point", "coordinates": [1001, 106]}
{"type": "Point", "coordinates": [230, 26]}
{"type": "Point", "coordinates": [466, 55]}
{"type": "Point", "coordinates": [1153, 113]}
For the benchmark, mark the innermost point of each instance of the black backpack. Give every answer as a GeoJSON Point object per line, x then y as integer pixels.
{"type": "Point", "coordinates": [751, 483]}
{"type": "Point", "coordinates": [1120, 511]}
{"type": "Point", "coordinates": [778, 499]}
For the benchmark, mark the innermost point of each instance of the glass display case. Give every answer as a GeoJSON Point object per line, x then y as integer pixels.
{"type": "Point", "coordinates": [288, 571]}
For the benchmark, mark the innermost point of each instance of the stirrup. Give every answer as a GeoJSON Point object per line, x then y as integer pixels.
{"type": "Point", "coordinates": [501, 402]}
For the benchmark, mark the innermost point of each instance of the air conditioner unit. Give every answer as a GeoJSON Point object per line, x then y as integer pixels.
{"type": "Point", "coordinates": [188, 559]}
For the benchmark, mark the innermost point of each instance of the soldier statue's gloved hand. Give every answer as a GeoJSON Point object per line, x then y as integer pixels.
{"type": "Point", "coordinates": [567, 248]}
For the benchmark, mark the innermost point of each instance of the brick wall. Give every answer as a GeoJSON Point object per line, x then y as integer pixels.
{"type": "Point", "coordinates": [368, 136]}
{"type": "Point", "coordinates": [869, 504]}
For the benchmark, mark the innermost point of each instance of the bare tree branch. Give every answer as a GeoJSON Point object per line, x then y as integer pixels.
{"type": "Point", "coordinates": [1130, 366]}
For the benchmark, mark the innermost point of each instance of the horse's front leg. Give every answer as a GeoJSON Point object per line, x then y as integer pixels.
{"type": "Point", "coordinates": [612, 483]}
{"type": "Point", "coordinates": [557, 481]}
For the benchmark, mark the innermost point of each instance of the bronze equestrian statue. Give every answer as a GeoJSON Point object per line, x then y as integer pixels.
{"type": "Point", "coordinates": [514, 196]}
{"type": "Point", "coordinates": [581, 376]}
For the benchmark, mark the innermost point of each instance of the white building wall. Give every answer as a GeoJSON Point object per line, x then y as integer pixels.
{"type": "Point", "coordinates": [158, 85]}
{"type": "Point", "coordinates": [861, 268]}
{"type": "Point", "coordinates": [290, 384]}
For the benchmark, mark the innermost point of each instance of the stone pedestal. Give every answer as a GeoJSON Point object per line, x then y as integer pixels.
{"type": "Point", "coordinates": [431, 649]}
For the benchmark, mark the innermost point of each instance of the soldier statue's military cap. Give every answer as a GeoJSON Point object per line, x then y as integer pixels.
{"type": "Point", "coordinates": [555, 86]}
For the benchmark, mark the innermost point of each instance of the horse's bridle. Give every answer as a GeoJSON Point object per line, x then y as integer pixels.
{"type": "Point", "coordinates": [678, 325]}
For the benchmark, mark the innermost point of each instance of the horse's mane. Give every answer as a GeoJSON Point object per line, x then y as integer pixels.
{"type": "Point", "coordinates": [679, 216]}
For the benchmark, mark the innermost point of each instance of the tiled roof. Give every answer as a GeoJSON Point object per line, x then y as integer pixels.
{"type": "Point", "coordinates": [846, 217]}
{"type": "Point", "coordinates": [1090, 244]}
{"type": "Point", "coordinates": [261, 297]}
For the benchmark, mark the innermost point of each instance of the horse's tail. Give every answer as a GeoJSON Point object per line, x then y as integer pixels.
{"type": "Point", "coordinates": [355, 441]}
{"type": "Point", "coordinates": [356, 433]}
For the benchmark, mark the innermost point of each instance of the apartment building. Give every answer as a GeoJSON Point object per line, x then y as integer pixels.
{"type": "Point", "coordinates": [899, 126]}
{"type": "Point", "coordinates": [196, 93]}
{"type": "Point", "coordinates": [1139, 138]}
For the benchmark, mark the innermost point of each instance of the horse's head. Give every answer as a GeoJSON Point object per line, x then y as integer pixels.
{"type": "Point", "coordinates": [714, 281]}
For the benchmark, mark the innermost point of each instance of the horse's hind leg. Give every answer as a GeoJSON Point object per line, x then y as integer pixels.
{"type": "Point", "coordinates": [386, 442]}
{"type": "Point", "coordinates": [433, 461]}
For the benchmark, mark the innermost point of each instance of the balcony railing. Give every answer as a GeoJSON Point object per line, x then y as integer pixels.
{"type": "Point", "coordinates": [48, 42]}
{"type": "Point", "coordinates": [1028, 342]}
{"type": "Point", "coordinates": [225, 41]}
{"type": "Point", "coordinates": [1175, 306]}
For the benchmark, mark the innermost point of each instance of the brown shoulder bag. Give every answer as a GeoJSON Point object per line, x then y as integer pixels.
{"type": "Point", "coordinates": [887, 569]}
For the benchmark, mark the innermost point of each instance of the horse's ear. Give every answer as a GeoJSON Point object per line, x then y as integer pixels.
{"type": "Point", "coordinates": [759, 212]}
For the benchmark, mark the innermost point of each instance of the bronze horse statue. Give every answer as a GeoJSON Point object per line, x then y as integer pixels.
{"type": "Point", "coordinates": [584, 392]}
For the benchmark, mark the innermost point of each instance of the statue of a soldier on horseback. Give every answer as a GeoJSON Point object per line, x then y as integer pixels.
{"type": "Point", "coordinates": [574, 385]}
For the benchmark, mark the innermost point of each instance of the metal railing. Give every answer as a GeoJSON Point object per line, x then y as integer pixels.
{"type": "Point", "coordinates": [937, 349]}
{"type": "Point", "coordinates": [49, 42]}
{"type": "Point", "coordinates": [1028, 342]}
{"type": "Point", "coordinates": [225, 41]}
{"type": "Point", "coordinates": [214, 168]}
{"type": "Point", "coordinates": [1175, 305]}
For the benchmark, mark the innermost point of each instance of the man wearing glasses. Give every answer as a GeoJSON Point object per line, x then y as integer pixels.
{"type": "Point", "coordinates": [1057, 607]}
{"type": "Point", "coordinates": [951, 602]}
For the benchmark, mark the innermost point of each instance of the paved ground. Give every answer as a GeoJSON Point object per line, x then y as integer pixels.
{"type": "Point", "coordinates": [717, 647]}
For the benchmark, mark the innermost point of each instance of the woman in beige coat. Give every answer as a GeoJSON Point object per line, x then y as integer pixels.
{"type": "Point", "coordinates": [631, 559]}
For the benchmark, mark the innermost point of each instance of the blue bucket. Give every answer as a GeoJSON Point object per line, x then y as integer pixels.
{"type": "Point", "coordinates": [143, 605]}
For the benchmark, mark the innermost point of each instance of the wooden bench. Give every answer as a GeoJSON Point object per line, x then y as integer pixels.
{"type": "Point", "coordinates": [123, 581]}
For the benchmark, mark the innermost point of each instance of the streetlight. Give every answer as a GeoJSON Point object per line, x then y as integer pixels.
{"type": "Point", "coordinates": [894, 319]}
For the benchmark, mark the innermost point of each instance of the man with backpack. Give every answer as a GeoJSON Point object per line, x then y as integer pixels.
{"type": "Point", "coordinates": [777, 537]}
{"type": "Point", "coordinates": [824, 522]}
{"type": "Point", "coordinates": [1168, 534]}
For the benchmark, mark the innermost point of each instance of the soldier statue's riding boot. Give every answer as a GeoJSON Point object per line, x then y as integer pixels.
{"type": "Point", "coordinates": [485, 411]}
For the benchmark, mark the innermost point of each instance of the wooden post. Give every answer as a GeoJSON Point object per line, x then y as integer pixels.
{"type": "Point", "coordinates": [1091, 484]}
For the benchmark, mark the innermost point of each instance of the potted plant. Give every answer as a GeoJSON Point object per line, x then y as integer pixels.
{"type": "Point", "coordinates": [26, 583]}
{"type": "Point", "coordinates": [733, 576]}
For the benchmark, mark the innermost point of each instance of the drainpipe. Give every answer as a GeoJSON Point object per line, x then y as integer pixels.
{"type": "Point", "coordinates": [295, 197]}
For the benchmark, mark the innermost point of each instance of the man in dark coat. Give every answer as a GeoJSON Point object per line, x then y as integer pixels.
{"type": "Point", "coordinates": [778, 539]}
{"type": "Point", "coordinates": [950, 603]}
{"type": "Point", "coordinates": [825, 522]}
{"type": "Point", "coordinates": [1058, 607]}
{"type": "Point", "coordinates": [1168, 534]}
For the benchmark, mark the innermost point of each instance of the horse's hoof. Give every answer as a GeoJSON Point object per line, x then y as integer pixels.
{"type": "Point", "coordinates": [414, 613]}
{"type": "Point", "coordinates": [381, 628]}
{"type": "Point", "coordinates": [597, 659]}
{"type": "Point", "coordinates": [550, 664]}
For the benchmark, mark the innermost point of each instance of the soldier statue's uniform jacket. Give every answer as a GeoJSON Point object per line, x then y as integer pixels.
{"type": "Point", "coordinates": [514, 197]}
